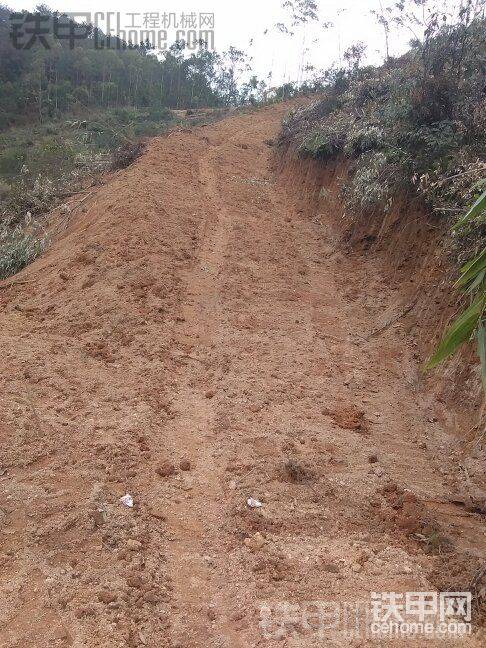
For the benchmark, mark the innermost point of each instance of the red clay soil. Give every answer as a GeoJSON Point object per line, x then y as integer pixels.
{"type": "Point", "coordinates": [193, 340]}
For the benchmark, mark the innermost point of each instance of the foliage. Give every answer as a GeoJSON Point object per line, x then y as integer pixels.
{"type": "Point", "coordinates": [472, 281]}
{"type": "Point", "coordinates": [19, 246]}
{"type": "Point", "coordinates": [415, 126]}
{"type": "Point", "coordinates": [43, 84]}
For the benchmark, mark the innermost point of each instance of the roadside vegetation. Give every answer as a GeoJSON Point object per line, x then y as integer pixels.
{"type": "Point", "coordinates": [413, 131]}
{"type": "Point", "coordinates": [66, 115]}
{"type": "Point", "coordinates": [413, 127]}
{"type": "Point", "coordinates": [472, 281]}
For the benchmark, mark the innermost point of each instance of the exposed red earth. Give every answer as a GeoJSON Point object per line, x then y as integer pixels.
{"type": "Point", "coordinates": [193, 339]}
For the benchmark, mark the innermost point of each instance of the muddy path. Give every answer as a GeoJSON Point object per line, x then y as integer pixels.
{"type": "Point", "coordinates": [194, 340]}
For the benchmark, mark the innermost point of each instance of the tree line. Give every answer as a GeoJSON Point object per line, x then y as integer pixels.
{"type": "Point", "coordinates": [42, 82]}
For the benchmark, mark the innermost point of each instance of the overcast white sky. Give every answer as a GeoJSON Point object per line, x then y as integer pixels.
{"type": "Point", "coordinates": [239, 23]}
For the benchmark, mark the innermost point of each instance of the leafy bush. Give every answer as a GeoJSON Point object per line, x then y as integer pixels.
{"type": "Point", "coordinates": [126, 155]}
{"type": "Point", "coordinates": [326, 141]}
{"type": "Point", "coordinates": [363, 138]}
{"type": "Point", "coordinates": [49, 155]}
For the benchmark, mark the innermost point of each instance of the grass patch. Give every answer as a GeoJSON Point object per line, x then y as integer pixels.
{"type": "Point", "coordinates": [20, 245]}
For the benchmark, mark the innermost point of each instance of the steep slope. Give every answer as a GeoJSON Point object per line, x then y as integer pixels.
{"type": "Point", "coordinates": [192, 339]}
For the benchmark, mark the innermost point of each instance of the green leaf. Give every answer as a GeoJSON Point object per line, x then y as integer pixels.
{"type": "Point", "coordinates": [478, 207]}
{"type": "Point", "coordinates": [482, 350]}
{"type": "Point", "coordinates": [459, 332]}
{"type": "Point", "coordinates": [472, 269]}
{"type": "Point", "coordinates": [476, 284]}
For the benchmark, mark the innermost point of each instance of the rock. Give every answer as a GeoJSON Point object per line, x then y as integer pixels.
{"type": "Point", "coordinates": [165, 469]}
{"type": "Point", "coordinates": [134, 545]}
{"type": "Point", "coordinates": [61, 633]}
{"type": "Point", "coordinates": [210, 393]}
{"type": "Point", "coordinates": [185, 464]}
{"type": "Point", "coordinates": [362, 557]}
{"type": "Point", "coordinates": [372, 458]}
{"type": "Point", "coordinates": [98, 516]}
{"type": "Point", "coordinates": [350, 418]}
{"type": "Point", "coordinates": [356, 567]}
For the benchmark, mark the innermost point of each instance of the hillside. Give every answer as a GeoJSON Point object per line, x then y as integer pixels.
{"type": "Point", "coordinates": [194, 339]}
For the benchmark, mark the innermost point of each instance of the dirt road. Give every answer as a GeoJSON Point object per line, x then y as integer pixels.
{"type": "Point", "coordinates": [194, 339]}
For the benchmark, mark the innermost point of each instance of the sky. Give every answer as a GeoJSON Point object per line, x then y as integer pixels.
{"type": "Point", "coordinates": [242, 24]}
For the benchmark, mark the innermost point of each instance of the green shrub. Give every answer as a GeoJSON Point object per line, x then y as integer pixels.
{"type": "Point", "coordinates": [329, 139]}
{"type": "Point", "coordinates": [472, 281]}
{"type": "Point", "coordinates": [363, 138]}
{"type": "Point", "coordinates": [162, 114]}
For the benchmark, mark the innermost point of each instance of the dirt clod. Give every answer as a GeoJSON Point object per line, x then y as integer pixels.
{"type": "Point", "coordinates": [185, 464]}
{"type": "Point", "coordinates": [165, 469]}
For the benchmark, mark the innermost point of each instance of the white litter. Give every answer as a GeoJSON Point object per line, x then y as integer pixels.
{"type": "Point", "coordinates": [127, 500]}
{"type": "Point", "coordinates": [253, 503]}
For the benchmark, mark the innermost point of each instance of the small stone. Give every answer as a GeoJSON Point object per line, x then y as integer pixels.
{"type": "Point", "coordinates": [362, 557]}
{"type": "Point", "coordinates": [210, 393]}
{"type": "Point", "coordinates": [165, 469]}
{"type": "Point", "coordinates": [372, 458]}
{"type": "Point", "coordinates": [61, 633]}
{"type": "Point", "coordinates": [185, 464]}
{"type": "Point", "coordinates": [135, 581]}
{"type": "Point", "coordinates": [134, 545]}
{"type": "Point", "coordinates": [211, 614]}
{"type": "Point", "coordinates": [422, 445]}
{"type": "Point", "coordinates": [98, 516]}
{"type": "Point", "coordinates": [356, 567]}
